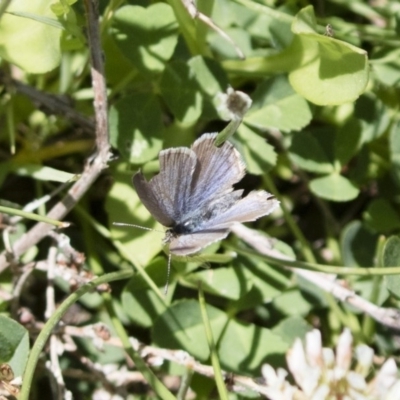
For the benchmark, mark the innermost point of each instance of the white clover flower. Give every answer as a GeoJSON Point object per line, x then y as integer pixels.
{"type": "Point", "coordinates": [321, 374]}
{"type": "Point", "coordinates": [279, 388]}
{"type": "Point", "coordinates": [233, 104]}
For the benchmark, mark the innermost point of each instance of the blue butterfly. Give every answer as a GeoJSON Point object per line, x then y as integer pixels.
{"type": "Point", "coordinates": [193, 194]}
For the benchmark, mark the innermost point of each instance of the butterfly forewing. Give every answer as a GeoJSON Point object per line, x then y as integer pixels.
{"type": "Point", "coordinates": [218, 168]}
{"type": "Point", "coordinates": [170, 189]}
{"type": "Point", "coordinates": [174, 180]}
{"type": "Point", "coordinates": [152, 200]}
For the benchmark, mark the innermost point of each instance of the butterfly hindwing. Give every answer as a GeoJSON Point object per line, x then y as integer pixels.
{"type": "Point", "coordinates": [194, 242]}
{"type": "Point", "coordinates": [249, 208]}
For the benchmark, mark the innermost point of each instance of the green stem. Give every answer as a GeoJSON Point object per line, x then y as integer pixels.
{"type": "Point", "coordinates": [185, 383]}
{"type": "Point", "coordinates": [360, 8]}
{"type": "Point", "coordinates": [141, 271]}
{"type": "Point", "coordinates": [201, 29]}
{"type": "Point", "coordinates": [161, 391]}
{"type": "Point", "coordinates": [329, 269]}
{"type": "Point", "coordinates": [35, 217]}
{"type": "Point", "coordinates": [10, 123]}
{"type": "Point", "coordinates": [261, 9]}
{"type": "Point", "coordinates": [3, 6]}
{"type": "Point", "coordinates": [128, 256]}
{"type": "Point", "coordinates": [369, 322]}
{"type": "Point", "coordinates": [54, 320]}
{"type": "Point", "coordinates": [186, 25]}
{"type": "Point", "coordinates": [305, 247]}
{"type": "Point", "coordinates": [227, 132]}
{"type": "Point", "coordinates": [219, 380]}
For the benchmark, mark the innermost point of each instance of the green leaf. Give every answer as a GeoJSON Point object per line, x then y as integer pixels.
{"type": "Point", "coordinates": [292, 302]}
{"type": "Point", "coordinates": [14, 345]}
{"type": "Point", "coordinates": [347, 141]}
{"type": "Point", "coordinates": [42, 173]}
{"type": "Point", "coordinates": [326, 71]}
{"type": "Point", "coordinates": [226, 14]}
{"type": "Point", "coordinates": [394, 149]}
{"type": "Point", "coordinates": [212, 81]}
{"type": "Point", "coordinates": [123, 205]}
{"type": "Point", "coordinates": [367, 290]}
{"type": "Point", "coordinates": [277, 105]}
{"type": "Point", "coordinates": [334, 187]}
{"type": "Point", "coordinates": [62, 7]}
{"type": "Point", "coordinates": [381, 216]}
{"type": "Point", "coordinates": [373, 116]}
{"type": "Point", "coordinates": [310, 292]}
{"type": "Point", "coordinates": [146, 36]}
{"type": "Point", "coordinates": [267, 282]}
{"type": "Point", "coordinates": [136, 127]}
{"type": "Point", "coordinates": [258, 154]}
{"type": "Point", "coordinates": [310, 152]}
{"type": "Point", "coordinates": [388, 73]}
{"type": "Point", "coordinates": [30, 43]}
{"type": "Point", "coordinates": [386, 65]}
{"type": "Point", "coordinates": [391, 254]}
{"type": "Point", "coordinates": [363, 167]}
{"type": "Point", "coordinates": [117, 67]}
{"type": "Point", "coordinates": [226, 282]}
{"type": "Point", "coordinates": [277, 31]}
{"type": "Point", "coordinates": [391, 258]}
{"type": "Point", "coordinates": [139, 302]}
{"type": "Point", "coordinates": [181, 327]}
{"type": "Point", "coordinates": [291, 328]}
{"type": "Point", "coordinates": [244, 348]}
{"type": "Point", "coordinates": [224, 49]}
{"type": "Point", "coordinates": [210, 77]}
{"type": "Point", "coordinates": [181, 93]}
{"type": "Point", "coordinates": [358, 245]}
{"type": "Point", "coordinates": [39, 18]}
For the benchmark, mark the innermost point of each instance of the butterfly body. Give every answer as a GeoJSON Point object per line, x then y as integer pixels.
{"type": "Point", "coordinates": [193, 194]}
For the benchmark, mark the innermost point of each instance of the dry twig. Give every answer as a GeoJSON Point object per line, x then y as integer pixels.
{"type": "Point", "coordinates": [49, 103]}
{"type": "Point", "coordinates": [95, 165]}
{"type": "Point", "coordinates": [327, 282]}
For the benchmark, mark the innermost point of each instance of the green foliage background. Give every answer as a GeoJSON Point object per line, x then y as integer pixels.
{"type": "Point", "coordinates": [322, 135]}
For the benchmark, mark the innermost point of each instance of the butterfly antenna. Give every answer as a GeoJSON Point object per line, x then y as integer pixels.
{"type": "Point", "coordinates": [136, 226]}
{"type": "Point", "coordinates": [168, 275]}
